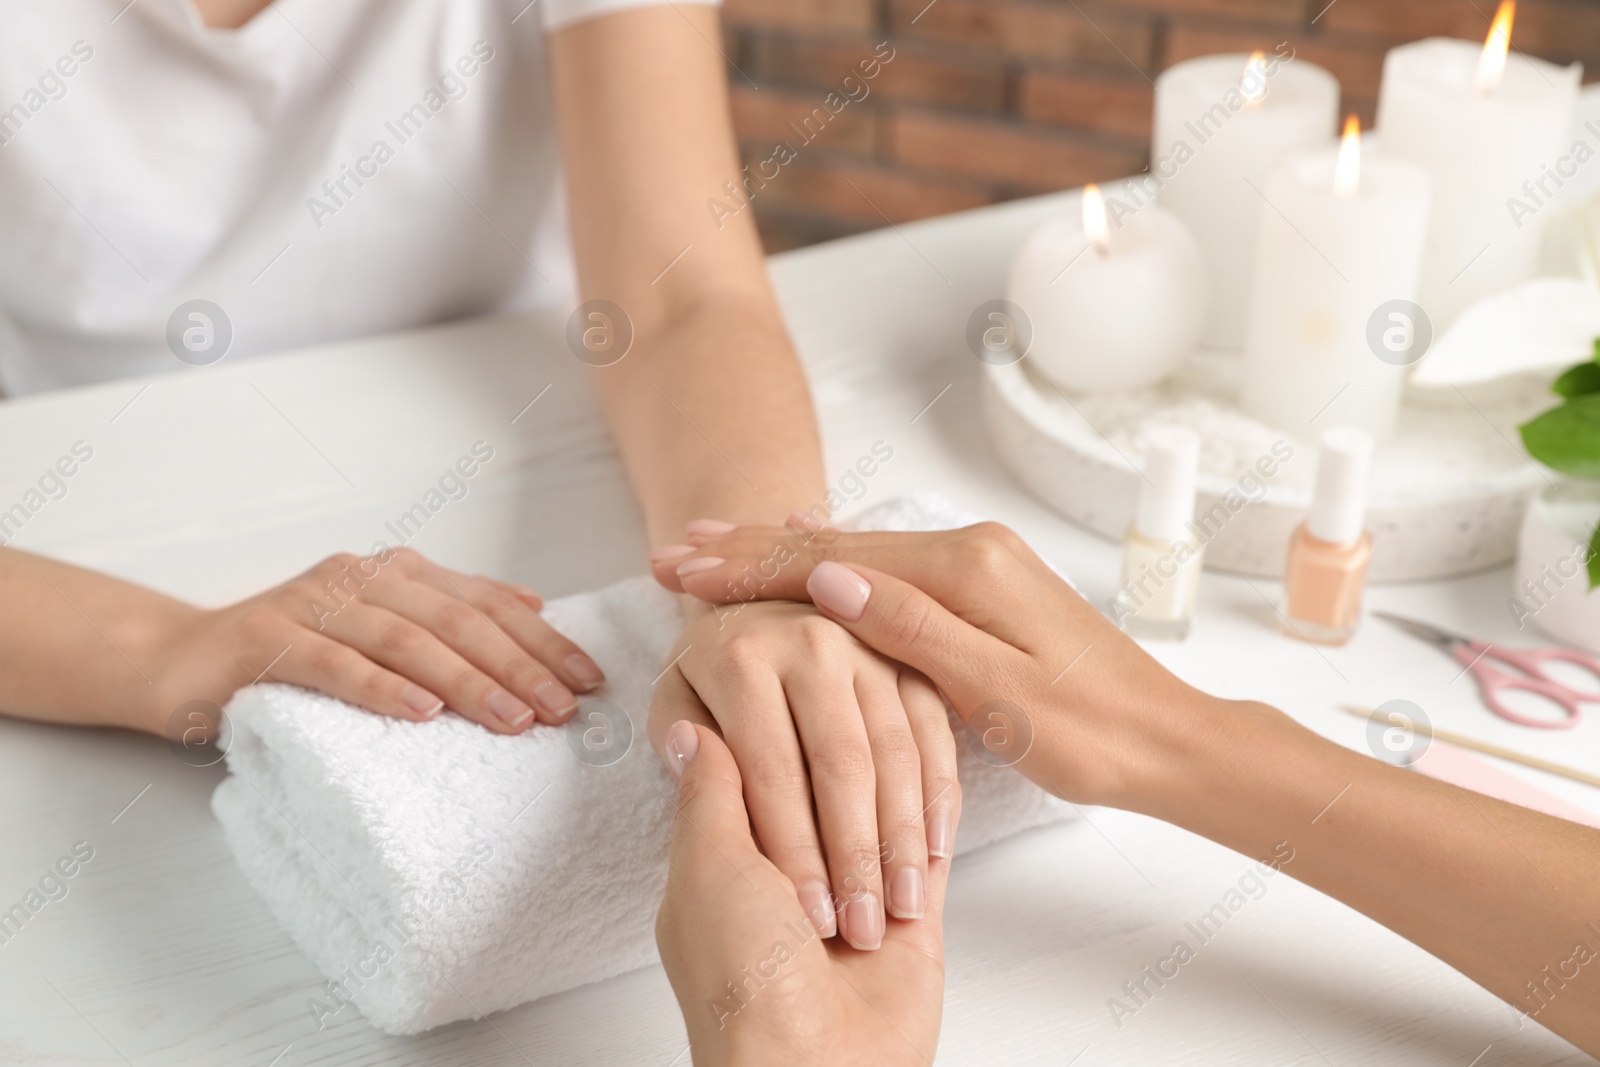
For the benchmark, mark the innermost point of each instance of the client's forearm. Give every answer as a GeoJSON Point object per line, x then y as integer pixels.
{"type": "Point", "coordinates": [1505, 895]}
{"type": "Point", "coordinates": [75, 646]}
{"type": "Point", "coordinates": [714, 419]}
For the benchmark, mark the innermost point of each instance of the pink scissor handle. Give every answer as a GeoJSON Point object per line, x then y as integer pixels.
{"type": "Point", "coordinates": [1492, 681]}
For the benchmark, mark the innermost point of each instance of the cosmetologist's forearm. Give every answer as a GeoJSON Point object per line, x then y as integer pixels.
{"type": "Point", "coordinates": [1504, 894]}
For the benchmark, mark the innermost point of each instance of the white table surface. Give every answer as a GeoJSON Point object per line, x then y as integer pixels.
{"type": "Point", "coordinates": [211, 483]}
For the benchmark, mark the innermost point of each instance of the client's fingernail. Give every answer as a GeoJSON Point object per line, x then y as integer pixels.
{"type": "Point", "coordinates": [695, 566]}
{"type": "Point", "coordinates": [421, 701]}
{"type": "Point", "coordinates": [659, 555]}
{"type": "Point", "coordinates": [939, 836]}
{"type": "Point", "coordinates": [555, 698]}
{"type": "Point", "coordinates": [709, 527]}
{"type": "Point", "coordinates": [528, 594]}
{"type": "Point", "coordinates": [585, 670]}
{"type": "Point", "coordinates": [818, 902]}
{"type": "Point", "coordinates": [863, 921]}
{"type": "Point", "coordinates": [682, 745]}
{"type": "Point", "coordinates": [907, 895]}
{"type": "Point", "coordinates": [806, 521]}
{"type": "Point", "coordinates": [508, 709]}
{"type": "Point", "coordinates": [839, 589]}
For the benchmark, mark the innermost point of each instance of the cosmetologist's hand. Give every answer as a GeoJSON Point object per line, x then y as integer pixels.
{"type": "Point", "coordinates": [755, 982]}
{"type": "Point", "coordinates": [1043, 677]}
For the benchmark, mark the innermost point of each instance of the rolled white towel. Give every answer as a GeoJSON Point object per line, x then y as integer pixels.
{"type": "Point", "coordinates": [436, 871]}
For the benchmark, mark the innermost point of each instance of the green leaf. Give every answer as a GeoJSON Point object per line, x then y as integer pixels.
{"type": "Point", "coordinates": [1597, 349]}
{"type": "Point", "coordinates": [1594, 559]}
{"type": "Point", "coordinates": [1578, 381]}
{"type": "Point", "coordinates": [1567, 438]}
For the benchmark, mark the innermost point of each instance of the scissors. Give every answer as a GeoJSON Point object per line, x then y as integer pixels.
{"type": "Point", "coordinates": [1479, 658]}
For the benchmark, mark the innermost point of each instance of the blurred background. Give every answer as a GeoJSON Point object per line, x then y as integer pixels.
{"type": "Point", "coordinates": [987, 100]}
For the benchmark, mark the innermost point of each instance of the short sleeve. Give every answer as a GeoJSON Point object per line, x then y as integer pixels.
{"type": "Point", "coordinates": [555, 14]}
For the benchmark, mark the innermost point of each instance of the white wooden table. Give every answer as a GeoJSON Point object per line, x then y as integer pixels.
{"type": "Point", "coordinates": [211, 483]}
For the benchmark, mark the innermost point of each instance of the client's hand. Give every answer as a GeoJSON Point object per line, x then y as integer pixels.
{"type": "Point", "coordinates": [1470, 879]}
{"type": "Point", "coordinates": [393, 633]}
{"type": "Point", "coordinates": [754, 981]}
{"type": "Point", "coordinates": [809, 711]}
{"type": "Point", "coordinates": [1048, 681]}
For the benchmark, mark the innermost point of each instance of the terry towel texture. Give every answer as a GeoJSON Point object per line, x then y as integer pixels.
{"type": "Point", "coordinates": [435, 871]}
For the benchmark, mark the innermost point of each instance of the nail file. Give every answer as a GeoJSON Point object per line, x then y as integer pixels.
{"type": "Point", "coordinates": [1453, 764]}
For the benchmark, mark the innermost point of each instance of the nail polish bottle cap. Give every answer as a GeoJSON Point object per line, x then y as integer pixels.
{"type": "Point", "coordinates": [1339, 503]}
{"type": "Point", "coordinates": [1166, 492]}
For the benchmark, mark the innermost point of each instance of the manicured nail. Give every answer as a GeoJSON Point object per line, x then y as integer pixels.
{"type": "Point", "coordinates": [421, 701]}
{"type": "Point", "coordinates": [659, 555]}
{"type": "Point", "coordinates": [863, 922]}
{"type": "Point", "coordinates": [695, 566]}
{"type": "Point", "coordinates": [939, 836]}
{"type": "Point", "coordinates": [555, 698]}
{"type": "Point", "coordinates": [907, 895]}
{"type": "Point", "coordinates": [708, 528]}
{"type": "Point", "coordinates": [839, 589]}
{"type": "Point", "coordinates": [683, 743]}
{"type": "Point", "coordinates": [508, 709]}
{"type": "Point", "coordinates": [585, 670]}
{"type": "Point", "coordinates": [806, 521]}
{"type": "Point", "coordinates": [818, 902]}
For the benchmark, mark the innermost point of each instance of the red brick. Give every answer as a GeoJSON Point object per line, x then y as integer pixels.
{"type": "Point", "coordinates": [1408, 22]}
{"type": "Point", "coordinates": [1284, 12]}
{"type": "Point", "coordinates": [1365, 110]}
{"type": "Point", "coordinates": [1551, 29]}
{"type": "Point", "coordinates": [780, 231]}
{"type": "Point", "coordinates": [1359, 69]}
{"type": "Point", "coordinates": [912, 75]}
{"type": "Point", "coordinates": [1121, 107]}
{"type": "Point", "coordinates": [1009, 155]}
{"type": "Point", "coordinates": [1022, 28]}
{"type": "Point", "coordinates": [803, 14]}
{"type": "Point", "coordinates": [761, 119]}
{"type": "Point", "coordinates": [863, 193]}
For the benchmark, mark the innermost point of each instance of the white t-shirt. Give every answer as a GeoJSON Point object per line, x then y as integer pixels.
{"type": "Point", "coordinates": [331, 169]}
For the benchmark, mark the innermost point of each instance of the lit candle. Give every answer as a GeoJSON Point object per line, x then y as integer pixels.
{"type": "Point", "coordinates": [1221, 122]}
{"type": "Point", "coordinates": [1110, 308]}
{"type": "Point", "coordinates": [1341, 234]}
{"type": "Point", "coordinates": [1487, 127]}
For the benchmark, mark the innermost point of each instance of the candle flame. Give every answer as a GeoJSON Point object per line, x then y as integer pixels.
{"type": "Point", "coordinates": [1492, 63]}
{"type": "Point", "coordinates": [1094, 219]}
{"type": "Point", "coordinates": [1253, 82]}
{"type": "Point", "coordinates": [1347, 170]}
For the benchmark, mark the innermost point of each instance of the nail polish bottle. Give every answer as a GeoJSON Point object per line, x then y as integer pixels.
{"type": "Point", "coordinates": [1161, 557]}
{"type": "Point", "coordinates": [1326, 572]}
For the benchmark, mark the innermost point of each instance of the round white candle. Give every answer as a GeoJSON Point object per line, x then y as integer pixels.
{"type": "Point", "coordinates": [1222, 122]}
{"type": "Point", "coordinates": [1115, 305]}
{"type": "Point", "coordinates": [1479, 145]}
{"type": "Point", "coordinates": [1327, 259]}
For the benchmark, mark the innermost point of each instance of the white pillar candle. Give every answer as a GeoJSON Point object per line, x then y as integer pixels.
{"type": "Point", "coordinates": [1221, 124]}
{"type": "Point", "coordinates": [1482, 124]}
{"type": "Point", "coordinates": [1340, 236]}
{"type": "Point", "coordinates": [1110, 308]}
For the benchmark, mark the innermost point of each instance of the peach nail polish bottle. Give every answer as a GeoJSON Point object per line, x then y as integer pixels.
{"type": "Point", "coordinates": [1326, 572]}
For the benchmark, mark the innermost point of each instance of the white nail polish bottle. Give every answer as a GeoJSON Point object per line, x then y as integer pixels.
{"type": "Point", "coordinates": [1161, 557]}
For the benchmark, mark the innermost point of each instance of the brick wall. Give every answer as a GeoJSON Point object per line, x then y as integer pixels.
{"type": "Point", "coordinates": [986, 100]}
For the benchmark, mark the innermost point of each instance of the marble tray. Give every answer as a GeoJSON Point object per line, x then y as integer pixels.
{"type": "Point", "coordinates": [1448, 490]}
